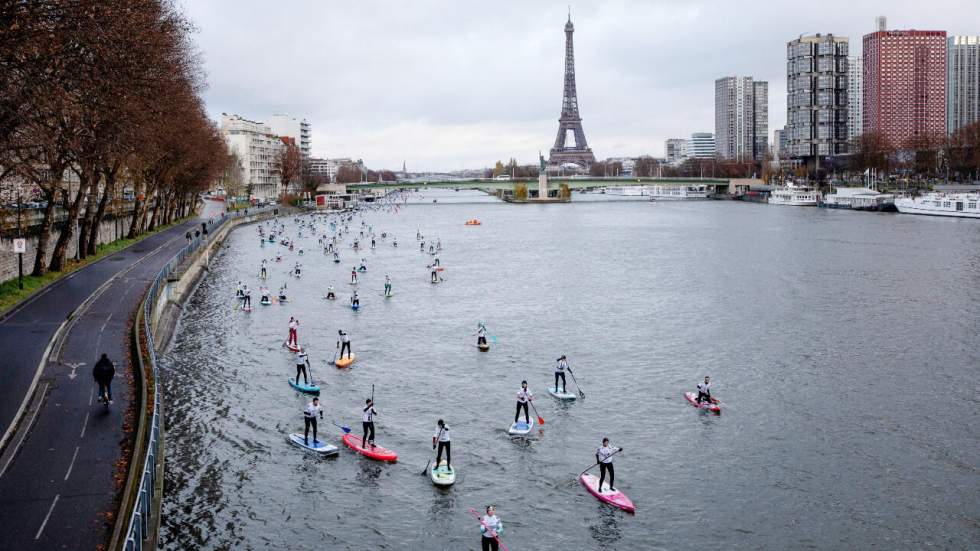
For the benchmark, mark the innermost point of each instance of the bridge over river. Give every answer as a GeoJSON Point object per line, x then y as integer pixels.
{"type": "Point", "coordinates": [720, 184]}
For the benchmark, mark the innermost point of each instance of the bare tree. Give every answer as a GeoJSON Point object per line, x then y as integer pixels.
{"type": "Point", "coordinates": [289, 164]}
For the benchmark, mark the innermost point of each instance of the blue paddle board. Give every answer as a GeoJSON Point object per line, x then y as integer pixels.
{"type": "Point", "coordinates": [304, 387]}
{"type": "Point", "coordinates": [318, 447]}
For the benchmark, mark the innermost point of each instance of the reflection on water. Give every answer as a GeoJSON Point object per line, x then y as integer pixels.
{"type": "Point", "coordinates": [836, 340]}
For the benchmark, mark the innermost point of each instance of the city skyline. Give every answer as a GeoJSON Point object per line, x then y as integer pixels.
{"type": "Point", "coordinates": [477, 83]}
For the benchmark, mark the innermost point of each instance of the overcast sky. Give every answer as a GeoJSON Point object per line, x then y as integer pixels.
{"type": "Point", "coordinates": [445, 85]}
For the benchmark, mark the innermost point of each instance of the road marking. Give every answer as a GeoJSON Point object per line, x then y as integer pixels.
{"type": "Point", "coordinates": [46, 517]}
{"type": "Point", "coordinates": [84, 423]}
{"type": "Point", "coordinates": [72, 464]}
{"type": "Point", "coordinates": [91, 393]}
{"type": "Point", "coordinates": [30, 423]}
{"type": "Point", "coordinates": [105, 323]}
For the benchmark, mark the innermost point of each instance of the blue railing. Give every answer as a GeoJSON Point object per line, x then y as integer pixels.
{"type": "Point", "coordinates": [138, 528]}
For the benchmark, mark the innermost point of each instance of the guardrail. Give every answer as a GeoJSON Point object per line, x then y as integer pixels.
{"type": "Point", "coordinates": [138, 497]}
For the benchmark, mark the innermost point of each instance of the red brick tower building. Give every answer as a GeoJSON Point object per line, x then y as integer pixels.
{"type": "Point", "coordinates": [905, 84]}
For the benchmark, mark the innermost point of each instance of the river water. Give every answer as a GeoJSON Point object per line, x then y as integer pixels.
{"type": "Point", "coordinates": [843, 346]}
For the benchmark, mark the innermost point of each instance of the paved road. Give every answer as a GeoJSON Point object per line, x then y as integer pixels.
{"type": "Point", "coordinates": [57, 489]}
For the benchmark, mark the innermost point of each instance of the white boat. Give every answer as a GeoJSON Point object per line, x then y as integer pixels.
{"type": "Point", "coordinates": [677, 192]}
{"type": "Point", "coordinates": [627, 191]}
{"type": "Point", "coordinates": [858, 198]}
{"type": "Point", "coordinates": [794, 195]}
{"type": "Point", "coordinates": [960, 205]}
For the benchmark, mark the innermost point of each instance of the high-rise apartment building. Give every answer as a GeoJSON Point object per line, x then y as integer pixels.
{"type": "Point", "coordinates": [292, 127]}
{"type": "Point", "coordinates": [855, 97]}
{"type": "Point", "coordinates": [816, 97]}
{"type": "Point", "coordinates": [674, 150]}
{"type": "Point", "coordinates": [904, 84]}
{"type": "Point", "coordinates": [258, 148]}
{"type": "Point", "coordinates": [701, 145]}
{"type": "Point", "coordinates": [962, 81]}
{"type": "Point", "coordinates": [741, 118]}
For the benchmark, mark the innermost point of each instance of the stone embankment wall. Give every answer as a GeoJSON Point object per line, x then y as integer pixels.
{"type": "Point", "coordinates": [110, 230]}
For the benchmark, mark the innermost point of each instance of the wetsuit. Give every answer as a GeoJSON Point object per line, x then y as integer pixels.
{"type": "Point", "coordinates": [441, 437]}
{"type": "Point", "coordinates": [489, 527]}
{"type": "Point", "coordinates": [309, 420]}
{"type": "Point", "coordinates": [387, 286]}
{"type": "Point", "coordinates": [523, 397]}
{"type": "Point", "coordinates": [367, 421]}
{"type": "Point", "coordinates": [704, 392]}
{"type": "Point", "coordinates": [603, 457]}
{"type": "Point", "coordinates": [344, 344]}
{"type": "Point", "coordinates": [560, 372]}
{"type": "Point", "coordinates": [301, 367]}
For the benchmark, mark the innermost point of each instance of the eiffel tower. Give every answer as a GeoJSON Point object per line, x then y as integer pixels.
{"type": "Point", "coordinates": [570, 121]}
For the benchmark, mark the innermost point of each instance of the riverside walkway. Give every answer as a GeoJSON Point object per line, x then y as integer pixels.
{"type": "Point", "coordinates": [60, 465]}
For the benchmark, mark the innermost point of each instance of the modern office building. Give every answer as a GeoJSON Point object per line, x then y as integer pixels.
{"type": "Point", "coordinates": [292, 127]}
{"type": "Point", "coordinates": [741, 118]}
{"type": "Point", "coordinates": [904, 84]}
{"type": "Point", "coordinates": [816, 97]}
{"type": "Point", "coordinates": [855, 97]}
{"type": "Point", "coordinates": [962, 81]}
{"type": "Point", "coordinates": [674, 150]}
{"type": "Point", "coordinates": [258, 148]}
{"type": "Point", "coordinates": [701, 145]}
{"type": "Point", "coordinates": [778, 142]}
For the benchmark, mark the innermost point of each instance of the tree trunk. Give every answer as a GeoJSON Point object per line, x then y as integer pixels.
{"type": "Point", "coordinates": [107, 193]}
{"type": "Point", "coordinates": [153, 218]}
{"type": "Point", "coordinates": [40, 263]}
{"type": "Point", "coordinates": [84, 227]}
{"type": "Point", "coordinates": [68, 228]}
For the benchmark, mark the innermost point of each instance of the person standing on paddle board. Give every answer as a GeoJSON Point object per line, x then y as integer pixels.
{"type": "Point", "coordinates": [330, 294]}
{"type": "Point", "coordinates": [560, 372]}
{"type": "Point", "coordinates": [704, 391]}
{"type": "Point", "coordinates": [387, 285]}
{"type": "Point", "coordinates": [301, 362]}
{"type": "Point", "coordinates": [523, 397]}
{"type": "Point", "coordinates": [246, 298]}
{"type": "Point", "coordinates": [263, 273]}
{"type": "Point", "coordinates": [491, 528]}
{"type": "Point", "coordinates": [282, 294]}
{"type": "Point", "coordinates": [309, 420]}
{"type": "Point", "coordinates": [603, 456]}
{"type": "Point", "coordinates": [353, 274]}
{"type": "Point", "coordinates": [481, 334]}
{"type": "Point", "coordinates": [344, 343]}
{"type": "Point", "coordinates": [355, 301]}
{"type": "Point", "coordinates": [293, 325]}
{"type": "Point", "coordinates": [238, 290]}
{"type": "Point", "coordinates": [435, 274]}
{"type": "Point", "coordinates": [367, 422]}
{"type": "Point", "coordinates": [441, 437]}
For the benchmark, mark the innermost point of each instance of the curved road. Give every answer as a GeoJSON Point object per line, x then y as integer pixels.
{"type": "Point", "coordinates": [57, 467]}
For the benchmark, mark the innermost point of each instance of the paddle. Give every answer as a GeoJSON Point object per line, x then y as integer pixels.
{"type": "Point", "coordinates": [347, 430]}
{"type": "Point", "coordinates": [309, 367]}
{"type": "Point", "coordinates": [580, 393]}
{"type": "Point", "coordinates": [540, 419]}
{"type": "Point", "coordinates": [477, 517]}
{"type": "Point", "coordinates": [426, 469]}
{"type": "Point", "coordinates": [596, 463]}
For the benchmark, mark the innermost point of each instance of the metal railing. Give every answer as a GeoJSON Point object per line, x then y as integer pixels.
{"type": "Point", "coordinates": [139, 522]}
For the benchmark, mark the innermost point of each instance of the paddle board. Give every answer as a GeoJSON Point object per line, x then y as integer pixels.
{"type": "Point", "coordinates": [336, 261]}
{"type": "Point", "coordinates": [442, 475]}
{"type": "Point", "coordinates": [330, 298]}
{"type": "Point", "coordinates": [617, 498]}
{"type": "Point", "coordinates": [713, 407]}
{"type": "Point", "coordinates": [483, 347]}
{"type": "Point", "coordinates": [389, 295]}
{"type": "Point", "coordinates": [362, 269]}
{"type": "Point", "coordinates": [247, 309]}
{"type": "Point", "coordinates": [345, 362]}
{"type": "Point", "coordinates": [304, 387]}
{"type": "Point", "coordinates": [265, 302]}
{"type": "Point", "coordinates": [520, 428]}
{"type": "Point", "coordinates": [352, 283]}
{"type": "Point", "coordinates": [373, 452]}
{"type": "Point", "coordinates": [292, 347]}
{"type": "Point", "coordinates": [355, 307]}
{"type": "Point", "coordinates": [318, 447]}
{"type": "Point", "coordinates": [557, 393]}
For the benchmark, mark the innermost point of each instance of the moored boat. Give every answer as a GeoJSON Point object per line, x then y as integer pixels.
{"type": "Point", "coordinates": [959, 205]}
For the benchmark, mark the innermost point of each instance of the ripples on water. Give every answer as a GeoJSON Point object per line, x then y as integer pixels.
{"type": "Point", "coordinates": [844, 346]}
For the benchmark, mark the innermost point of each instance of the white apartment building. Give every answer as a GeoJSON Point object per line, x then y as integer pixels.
{"type": "Point", "coordinates": [741, 118]}
{"type": "Point", "coordinates": [328, 167]}
{"type": "Point", "coordinates": [701, 145]}
{"type": "Point", "coordinates": [258, 148]}
{"type": "Point", "coordinates": [292, 127]}
{"type": "Point", "coordinates": [962, 81]}
{"type": "Point", "coordinates": [855, 97]}
{"type": "Point", "coordinates": [816, 97]}
{"type": "Point", "coordinates": [675, 150]}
